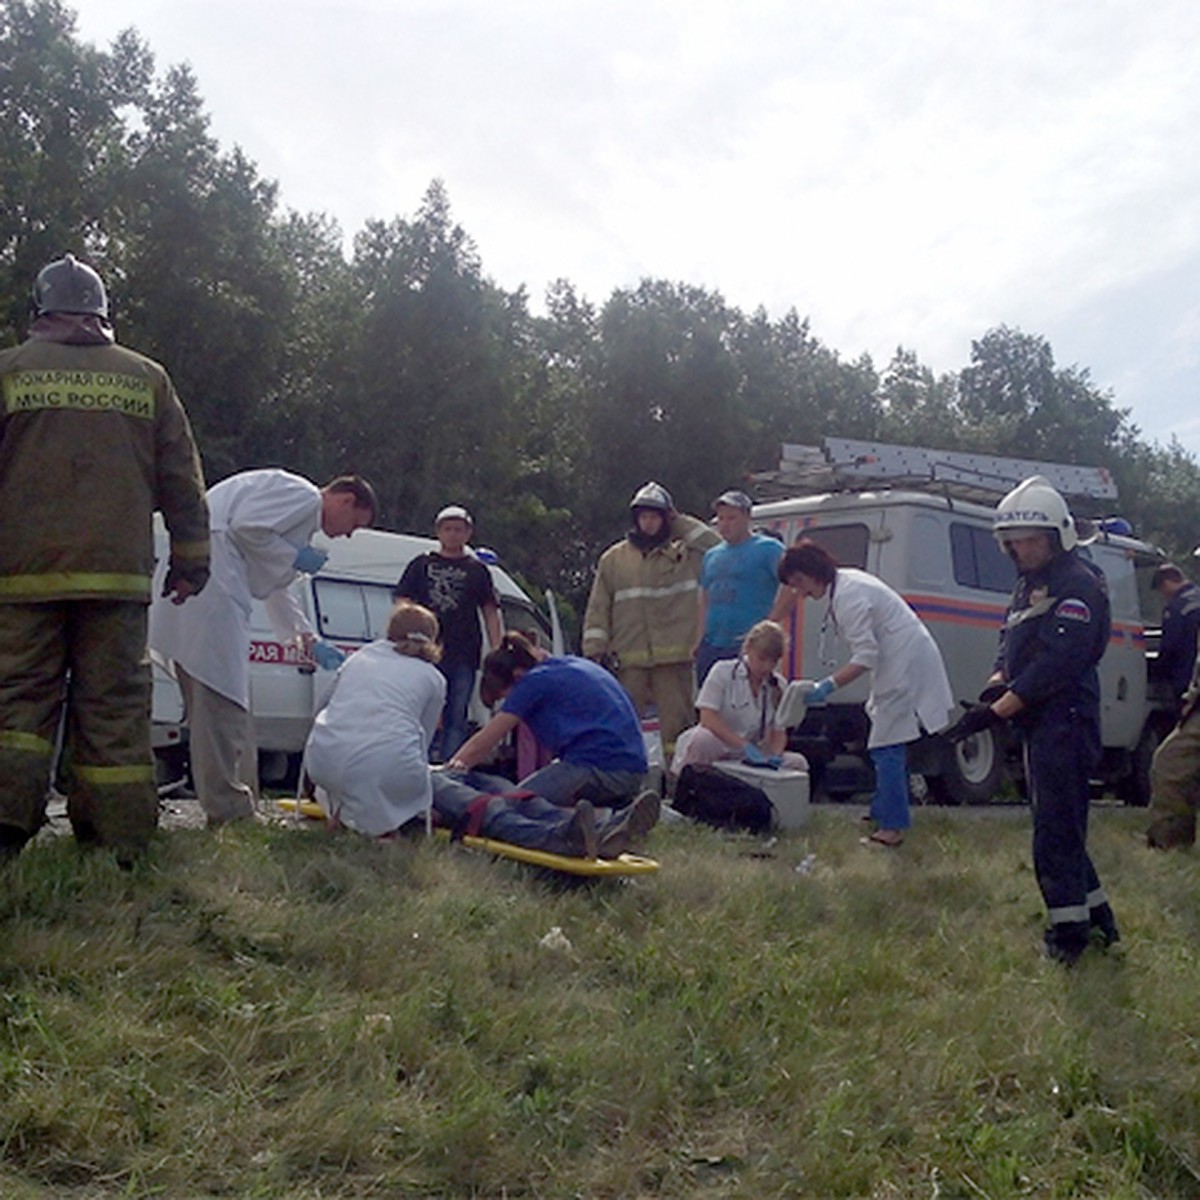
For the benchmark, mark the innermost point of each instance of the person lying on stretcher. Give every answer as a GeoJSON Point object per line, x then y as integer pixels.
{"type": "Point", "coordinates": [368, 750]}
{"type": "Point", "coordinates": [475, 805]}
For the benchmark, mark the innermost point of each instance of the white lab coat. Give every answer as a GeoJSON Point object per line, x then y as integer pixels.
{"type": "Point", "coordinates": [259, 520]}
{"type": "Point", "coordinates": [368, 748]}
{"type": "Point", "coordinates": [908, 677]}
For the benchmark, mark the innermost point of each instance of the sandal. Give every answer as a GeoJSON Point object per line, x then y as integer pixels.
{"type": "Point", "coordinates": [891, 838]}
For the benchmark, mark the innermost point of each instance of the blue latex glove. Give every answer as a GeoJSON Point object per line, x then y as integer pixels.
{"type": "Point", "coordinates": [754, 756]}
{"type": "Point", "coordinates": [776, 761]}
{"type": "Point", "coordinates": [309, 560]}
{"type": "Point", "coordinates": [327, 656]}
{"type": "Point", "coordinates": [822, 691]}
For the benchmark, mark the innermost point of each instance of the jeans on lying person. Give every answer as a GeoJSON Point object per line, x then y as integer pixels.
{"type": "Point", "coordinates": [564, 783]}
{"type": "Point", "coordinates": [520, 820]}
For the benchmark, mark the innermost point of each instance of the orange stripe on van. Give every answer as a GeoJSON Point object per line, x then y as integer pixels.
{"type": "Point", "coordinates": [795, 635]}
{"type": "Point", "coordinates": [939, 610]}
{"type": "Point", "coordinates": [957, 612]}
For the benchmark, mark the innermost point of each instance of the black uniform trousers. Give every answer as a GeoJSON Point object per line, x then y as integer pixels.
{"type": "Point", "coordinates": [1061, 750]}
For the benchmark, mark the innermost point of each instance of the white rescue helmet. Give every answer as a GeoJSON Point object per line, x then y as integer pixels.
{"type": "Point", "coordinates": [652, 495]}
{"type": "Point", "coordinates": [1034, 504]}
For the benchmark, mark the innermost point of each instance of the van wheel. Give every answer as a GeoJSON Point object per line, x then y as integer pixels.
{"type": "Point", "coordinates": [972, 770]}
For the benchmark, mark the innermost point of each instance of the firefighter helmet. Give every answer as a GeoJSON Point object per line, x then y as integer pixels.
{"type": "Point", "coordinates": [1034, 504]}
{"type": "Point", "coordinates": [652, 495]}
{"type": "Point", "coordinates": [69, 286]}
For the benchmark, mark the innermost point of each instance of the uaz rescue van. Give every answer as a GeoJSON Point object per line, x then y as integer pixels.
{"type": "Point", "coordinates": [939, 553]}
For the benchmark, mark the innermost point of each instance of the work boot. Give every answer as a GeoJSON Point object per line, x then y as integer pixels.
{"type": "Point", "coordinates": [630, 825]}
{"type": "Point", "coordinates": [1066, 943]}
{"type": "Point", "coordinates": [1103, 931]}
{"type": "Point", "coordinates": [1168, 832]}
{"type": "Point", "coordinates": [12, 841]}
{"type": "Point", "coordinates": [580, 836]}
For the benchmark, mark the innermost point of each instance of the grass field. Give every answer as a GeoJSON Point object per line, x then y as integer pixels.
{"type": "Point", "coordinates": [268, 1012]}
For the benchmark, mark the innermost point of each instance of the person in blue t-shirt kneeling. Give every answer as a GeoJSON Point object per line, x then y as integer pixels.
{"type": "Point", "coordinates": [576, 709]}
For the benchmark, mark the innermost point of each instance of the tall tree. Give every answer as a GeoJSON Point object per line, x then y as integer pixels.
{"type": "Point", "coordinates": [203, 269]}
{"type": "Point", "coordinates": [62, 148]}
{"type": "Point", "coordinates": [431, 406]}
{"type": "Point", "coordinates": [1016, 401]}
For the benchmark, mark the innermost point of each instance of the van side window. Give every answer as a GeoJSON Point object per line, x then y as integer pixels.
{"type": "Point", "coordinates": [847, 543]}
{"type": "Point", "coordinates": [521, 618]}
{"type": "Point", "coordinates": [978, 560]}
{"type": "Point", "coordinates": [347, 610]}
{"type": "Point", "coordinates": [927, 550]}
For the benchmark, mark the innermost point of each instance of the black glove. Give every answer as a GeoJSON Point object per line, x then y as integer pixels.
{"type": "Point", "coordinates": [194, 574]}
{"type": "Point", "coordinates": [992, 693]}
{"type": "Point", "coordinates": [977, 718]}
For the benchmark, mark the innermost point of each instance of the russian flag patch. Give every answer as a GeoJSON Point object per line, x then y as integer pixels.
{"type": "Point", "coordinates": [1074, 610]}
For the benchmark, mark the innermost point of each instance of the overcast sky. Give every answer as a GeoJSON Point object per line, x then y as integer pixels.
{"type": "Point", "coordinates": [902, 172]}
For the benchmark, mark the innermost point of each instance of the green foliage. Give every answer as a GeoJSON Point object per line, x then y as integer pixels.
{"type": "Point", "coordinates": [279, 1013]}
{"type": "Point", "coordinates": [405, 362]}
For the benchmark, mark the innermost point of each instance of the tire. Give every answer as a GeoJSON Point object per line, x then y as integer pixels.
{"type": "Point", "coordinates": [972, 770]}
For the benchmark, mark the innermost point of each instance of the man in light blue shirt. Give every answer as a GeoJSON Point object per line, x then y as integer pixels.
{"type": "Point", "coordinates": [738, 583]}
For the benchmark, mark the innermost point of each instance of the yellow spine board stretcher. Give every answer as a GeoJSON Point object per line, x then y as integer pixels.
{"type": "Point", "coordinates": [627, 864]}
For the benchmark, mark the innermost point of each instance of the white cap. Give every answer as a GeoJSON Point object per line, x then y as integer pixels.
{"type": "Point", "coordinates": [453, 512]}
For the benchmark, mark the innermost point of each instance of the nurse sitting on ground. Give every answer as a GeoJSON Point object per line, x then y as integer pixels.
{"type": "Point", "coordinates": [737, 704]}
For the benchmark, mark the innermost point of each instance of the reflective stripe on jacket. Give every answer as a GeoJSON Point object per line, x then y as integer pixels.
{"type": "Point", "coordinates": [93, 439]}
{"type": "Point", "coordinates": [642, 607]}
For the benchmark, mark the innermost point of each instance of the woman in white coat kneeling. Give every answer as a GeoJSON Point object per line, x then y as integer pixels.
{"type": "Point", "coordinates": [737, 706]}
{"type": "Point", "coordinates": [909, 688]}
{"type": "Point", "coordinates": [368, 751]}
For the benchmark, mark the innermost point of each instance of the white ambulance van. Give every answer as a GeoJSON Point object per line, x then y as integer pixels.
{"type": "Point", "coordinates": [348, 603]}
{"type": "Point", "coordinates": [939, 553]}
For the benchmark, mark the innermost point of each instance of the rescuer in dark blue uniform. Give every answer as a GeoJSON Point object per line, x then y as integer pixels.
{"type": "Point", "coordinates": [1047, 684]}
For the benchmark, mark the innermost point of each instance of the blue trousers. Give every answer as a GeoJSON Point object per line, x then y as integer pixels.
{"type": "Point", "coordinates": [889, 804]}
{"type": "Point", "coordinates": [564, 783]}
{"type": "Point", "coordinates": [460, 683]}
{"type": "Point", "coordinates": [526, 821]}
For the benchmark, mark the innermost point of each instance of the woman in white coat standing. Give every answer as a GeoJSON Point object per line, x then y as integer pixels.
{"type": "Point", "coordinates": [909, 688]}
{"type": "Point", "coordinates": [368, 751]}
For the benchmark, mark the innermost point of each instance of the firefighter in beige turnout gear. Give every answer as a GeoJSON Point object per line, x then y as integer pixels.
{"type": "Point", "coordinates": [643, 605]}
{"type": "Point", "coordinates": [1175, 776]}
{"type": "Point", "coordinates": [93, 439]}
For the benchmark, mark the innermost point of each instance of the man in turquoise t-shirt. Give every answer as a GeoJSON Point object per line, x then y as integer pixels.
{"type": "Point", "coordinates": [738, 584]}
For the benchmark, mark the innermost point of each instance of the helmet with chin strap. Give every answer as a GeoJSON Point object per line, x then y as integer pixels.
{"type": "Point", "coordinates": [1034, 504]}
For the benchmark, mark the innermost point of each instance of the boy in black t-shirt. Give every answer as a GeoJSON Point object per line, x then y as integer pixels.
{"type": "Point", "coordinates": [457, 587]}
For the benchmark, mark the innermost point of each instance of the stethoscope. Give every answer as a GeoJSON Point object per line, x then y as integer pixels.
{"type": "Point", "coordinates": [829, 629]}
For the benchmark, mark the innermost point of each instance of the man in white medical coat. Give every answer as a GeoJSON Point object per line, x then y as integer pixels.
{"type": "Point", "coordinates": [262, 523]}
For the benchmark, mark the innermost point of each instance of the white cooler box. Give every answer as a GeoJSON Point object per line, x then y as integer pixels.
{"type": "Point", "coordinates": [786, 790]}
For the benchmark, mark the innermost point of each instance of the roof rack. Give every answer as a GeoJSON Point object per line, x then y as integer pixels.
{"type": "Point", "coordinates": [846, 464]}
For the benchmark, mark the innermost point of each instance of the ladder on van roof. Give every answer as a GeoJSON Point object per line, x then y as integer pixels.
{"type": "Point", "coordinates": [847, 464]}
